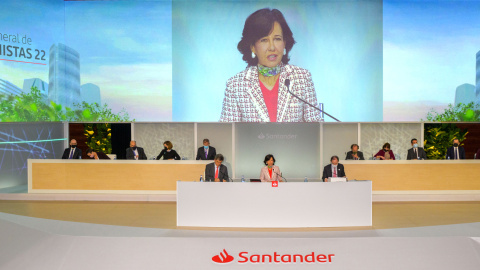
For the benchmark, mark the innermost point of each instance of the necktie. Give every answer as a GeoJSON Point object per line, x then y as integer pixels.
{"type": "Point", "coordinates": [206, 153]}
{"type": "Point", "coordinates": [415, 152]}
{"type": "Point", "coordinates": [216, 173]}
{"type": "Point", "coordinates": [71, 154]}
{"type": "Point", "coordinates": [456, 152]}
{"type": "Point", "coordinates": [334, 171]}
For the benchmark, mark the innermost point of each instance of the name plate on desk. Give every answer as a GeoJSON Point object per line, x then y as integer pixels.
{"type": "Point", "coordinates": [337, 179]}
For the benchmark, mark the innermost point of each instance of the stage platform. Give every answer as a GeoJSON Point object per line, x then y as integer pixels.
{"type": "Point", "coordinates": [21, 193]}
{"type": "Point", "coordinates": [133, 235]}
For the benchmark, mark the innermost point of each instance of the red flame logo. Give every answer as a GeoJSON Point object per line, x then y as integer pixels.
{"type": "Point", "coordinates": [224, 257]}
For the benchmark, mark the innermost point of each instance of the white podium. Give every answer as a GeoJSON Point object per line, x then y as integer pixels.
{"type": "Point", "coordinates": [290, 205]}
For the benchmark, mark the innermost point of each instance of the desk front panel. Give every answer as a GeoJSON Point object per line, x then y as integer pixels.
{"type": "Point", "coordinates": [84, 175]}
{"type": "Point", "coordinates": [398, 175]}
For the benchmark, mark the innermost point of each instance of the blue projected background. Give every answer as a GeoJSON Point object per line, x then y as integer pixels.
{"type": "Point", "coordinates": [20, 142]}
{"type": "Point", "coordinates": [429, 50]}
{"type": "Point", "coordinates": [106, 52]}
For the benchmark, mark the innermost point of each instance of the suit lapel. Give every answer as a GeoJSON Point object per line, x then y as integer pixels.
{"type": "Point", "coordinates": [283, 95]}
{"type": "Point", "coordinates": [255, 93]}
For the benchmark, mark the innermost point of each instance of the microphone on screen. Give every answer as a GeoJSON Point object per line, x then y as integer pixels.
{"type": "Point", "coordinates": [287, 84]}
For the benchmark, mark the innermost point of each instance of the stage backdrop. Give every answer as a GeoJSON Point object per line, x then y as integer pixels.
{"type": "Point", "coordinates": [295, 146]}
{"type": "Point", "coordinates": [169, 60]}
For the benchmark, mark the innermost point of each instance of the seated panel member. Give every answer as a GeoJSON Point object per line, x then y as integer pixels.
{"type": "Point", "coordinates": [334, 169]}
{"type": "Point", "coordinates": [416, 152]}
{"type": "Point", "coordinates": [96, 155]}
{"type": "Point", "coordinates": [354, 154]}
{"type": "Point", "coordinates": [270, 172]}
{"type": "Point", "coordinates": [134, 152]}
{"type": "Point", "coordinates": [206, 152]}
{"type": "Point", "coordinates": [168, 153]}
{"type": "Point", "coordinates": [456, 151]}
{"type": "Point", "coordinates": [385, 153]}
{"type": "Point", "coordinates": [216, 171]}
{"type": "Point", "coordinates": [73, 152]}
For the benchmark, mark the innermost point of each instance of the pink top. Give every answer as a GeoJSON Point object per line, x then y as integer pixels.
{"type": "Point", "coordinates": [271, 100]}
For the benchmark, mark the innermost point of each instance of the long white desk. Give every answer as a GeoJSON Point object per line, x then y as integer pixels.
{"type": "Point", "coordinates": [290, 205]}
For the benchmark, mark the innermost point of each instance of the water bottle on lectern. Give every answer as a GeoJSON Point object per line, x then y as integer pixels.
{"type": "Point", "coordinates": [305, 180]}
{"type": "Point", "coordinates": [243, 178]}
{"type": "Point", "coordinates": [201, 178]}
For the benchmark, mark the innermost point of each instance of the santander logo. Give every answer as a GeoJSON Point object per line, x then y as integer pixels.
{"type": "Point", "coordinates": [276, 258]}
{"type": "Point", "coordinates": [224, 257]}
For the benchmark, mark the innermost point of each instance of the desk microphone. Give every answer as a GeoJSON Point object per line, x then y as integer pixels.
{"type": "Point", "coordinates": [279, 175]}
{"type": "Point", "coordinates": [287, 84]}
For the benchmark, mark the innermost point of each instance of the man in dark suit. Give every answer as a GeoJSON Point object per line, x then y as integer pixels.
{"type": "Point", "coordinates": [456, 151]}
{"type": "Point", "coordinates": [134, 152]}
{"type": "Point", "coordinates": [206, 152]}
{"type": "Point", "coordinates": [354, 154]}
{"type": "Point", "coordinates": [216, 171]}
{"type": "Point", "coordinates": [334, 169]}
{"type": "Point", "coordinates": [416, 152]}
{"type": "Point", "coordinates": [72, 152]}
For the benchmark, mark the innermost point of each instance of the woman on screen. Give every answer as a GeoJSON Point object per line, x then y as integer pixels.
{"type": "Point", "coordinates": [270, 172]}
{"type": "Point", "coordinates": [168, 153]}
{"type": "Point", "coordinates": [385, 153]}
{"type": "Point", "coordinates": [260, 92]}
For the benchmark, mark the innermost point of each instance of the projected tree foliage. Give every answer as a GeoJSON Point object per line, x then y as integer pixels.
{"type": "Point", "coordinates": [31, 107]}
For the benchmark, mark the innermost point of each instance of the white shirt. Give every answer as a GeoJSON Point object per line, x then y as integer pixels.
{"type": "Point", "coordinates": [135, 153]}
{"type": "Point", "coordinates": [455, 153]}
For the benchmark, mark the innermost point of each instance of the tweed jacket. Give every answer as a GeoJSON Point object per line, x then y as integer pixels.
{"type": "Point", "coordinates": [265, 175]}
{"type": "Point", "coordinates": [244, 102]}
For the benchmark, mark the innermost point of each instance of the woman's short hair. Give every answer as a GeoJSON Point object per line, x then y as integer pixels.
{"type": "Point", "coordinates": [267, 158]}
{"type": "Point", "coordinates": [386, 145]}
{"type": "Point", "coordinates": [259, 24]}
{"type": "Point", "coordinates": [169, 144]}
{"type": "Point", "coordinates": [89, 151]}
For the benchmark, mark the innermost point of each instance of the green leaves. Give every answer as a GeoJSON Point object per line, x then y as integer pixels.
{"type": "Point", "coordinates": [461, 113]}
{"type": "Point", "coordinates": [31, 107]}
{"type": "Point", "coordinates": [438, 137]}
{"type": "Point", "coordinates": [86, 114]}
{"type": "Point", "coordinates": [99, 137]}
